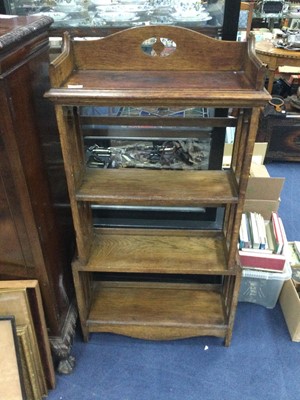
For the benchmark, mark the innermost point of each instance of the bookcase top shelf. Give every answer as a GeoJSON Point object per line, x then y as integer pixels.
{"type": "Point", "coordinates": [158, 65]}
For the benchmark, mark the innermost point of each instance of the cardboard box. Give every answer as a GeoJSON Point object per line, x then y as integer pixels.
{"type": "Point", "coordinates": [258, 156]}
{"type": "Point", "coordinates": [263, 192]}
{"type": "Point", "coordinates": [264, 207]}
{"type": "Point", "coordinates": [261, 186]}
{"type": "Point", "coordinates": [290, 305]}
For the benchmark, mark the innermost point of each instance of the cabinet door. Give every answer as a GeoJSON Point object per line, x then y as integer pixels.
{"type": "Point", "coordinates": [15, 254]}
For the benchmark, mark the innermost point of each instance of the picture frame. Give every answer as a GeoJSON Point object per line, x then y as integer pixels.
{"type": "Point", "coordinates": [11, 378]}
{"type": "Point", "coordinates": [22, 299]}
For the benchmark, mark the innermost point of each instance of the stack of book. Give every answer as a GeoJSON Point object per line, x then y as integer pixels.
{"type": "Point", "coordinates": [262, 243]}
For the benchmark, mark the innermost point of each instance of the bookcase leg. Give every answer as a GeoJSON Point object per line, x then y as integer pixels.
{"type": "Point", "coordinates": [228, 338]}
{"type": "Point", "coordinates": [231, 294]}
{"type": "Point", "coordinates": [82, 283]}
{"type": "Point", "coordinates": [61, 346]}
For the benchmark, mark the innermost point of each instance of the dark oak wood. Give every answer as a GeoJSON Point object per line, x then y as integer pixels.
{"type": "Point", "coordinates": [32, 244]}
{"type": "Point", "coordinates": [201, 72]}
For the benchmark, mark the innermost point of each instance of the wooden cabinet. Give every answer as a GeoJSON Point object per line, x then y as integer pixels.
{"type": "Point", "coordinates": [282, 136]}
{"type": "Point", "coordinates": [146, 68]}
{"type": "Point", "coordinates": [31, 245]}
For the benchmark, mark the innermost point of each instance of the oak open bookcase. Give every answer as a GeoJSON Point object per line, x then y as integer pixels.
{"type": "Point", "coordinates": [156, 68]}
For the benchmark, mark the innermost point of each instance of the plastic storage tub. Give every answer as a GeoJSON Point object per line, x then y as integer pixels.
{"type": "Point", "coordinates": [262, 287]}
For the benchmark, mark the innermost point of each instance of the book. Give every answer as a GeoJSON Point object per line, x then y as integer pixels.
{"type": "Point", "coordinates": [254, 230]}
{"type": "Point", "coordinates": [265, 262]}
{"type": "Point", "coordinates": [261, 251]}
{"type": "Point", "coordinates": [297, 247]}
{"type": "Point", "coordinates": [270, 236]}
{"type": "Point", "coordinates": [293, 256]}
{"type": "Point", "coordinates": [282, 230]}
{"type": "Point", "coordinates": [244, 237]}
{"type": "Point", "coordinates": [278, 234]}
{"type": "Point", "coordinates": [263, 244]}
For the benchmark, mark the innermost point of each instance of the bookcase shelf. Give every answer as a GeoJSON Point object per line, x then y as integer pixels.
{"type": "Point", "coordinates": [157, 251]}
{"type": "Point", "coordinates": [157, 311]}
{"type": "Point", "coordinates": [115, 71]}
{"type": "Point", "coordinates": [144, 187]}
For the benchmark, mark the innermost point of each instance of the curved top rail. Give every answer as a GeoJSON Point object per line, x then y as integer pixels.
{"type": "Point", "coordinates": [193, 52]}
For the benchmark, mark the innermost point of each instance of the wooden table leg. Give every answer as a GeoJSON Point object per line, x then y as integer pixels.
{"type": "Point", "coordinates": [271, 79]}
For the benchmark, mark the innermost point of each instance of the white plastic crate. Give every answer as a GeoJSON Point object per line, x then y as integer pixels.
{"type": "Point", "coordinates": [262, 287]}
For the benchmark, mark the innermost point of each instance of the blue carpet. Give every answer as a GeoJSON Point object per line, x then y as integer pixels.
{"type": "Point", "coordinates": [262, 362]}
{"type": "Point", "coordinates": [289, 208]}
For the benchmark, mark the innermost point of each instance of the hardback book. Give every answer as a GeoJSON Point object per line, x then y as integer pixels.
{"type": "Point", "coordinates": [254, 230]}
{"type": "Point", "coordinates": [244, 234]}
{"type": "Point", "coordinates": [262, 261]}
{"type": "Point", "coordinates": [278, 233]}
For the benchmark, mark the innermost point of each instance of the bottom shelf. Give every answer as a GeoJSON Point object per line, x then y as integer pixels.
{"type": "Point", "coordinates": [157, 311]}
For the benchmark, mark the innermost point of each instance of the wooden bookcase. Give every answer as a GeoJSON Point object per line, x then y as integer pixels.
{"type": "Point", "coordinates": [200, 72]}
